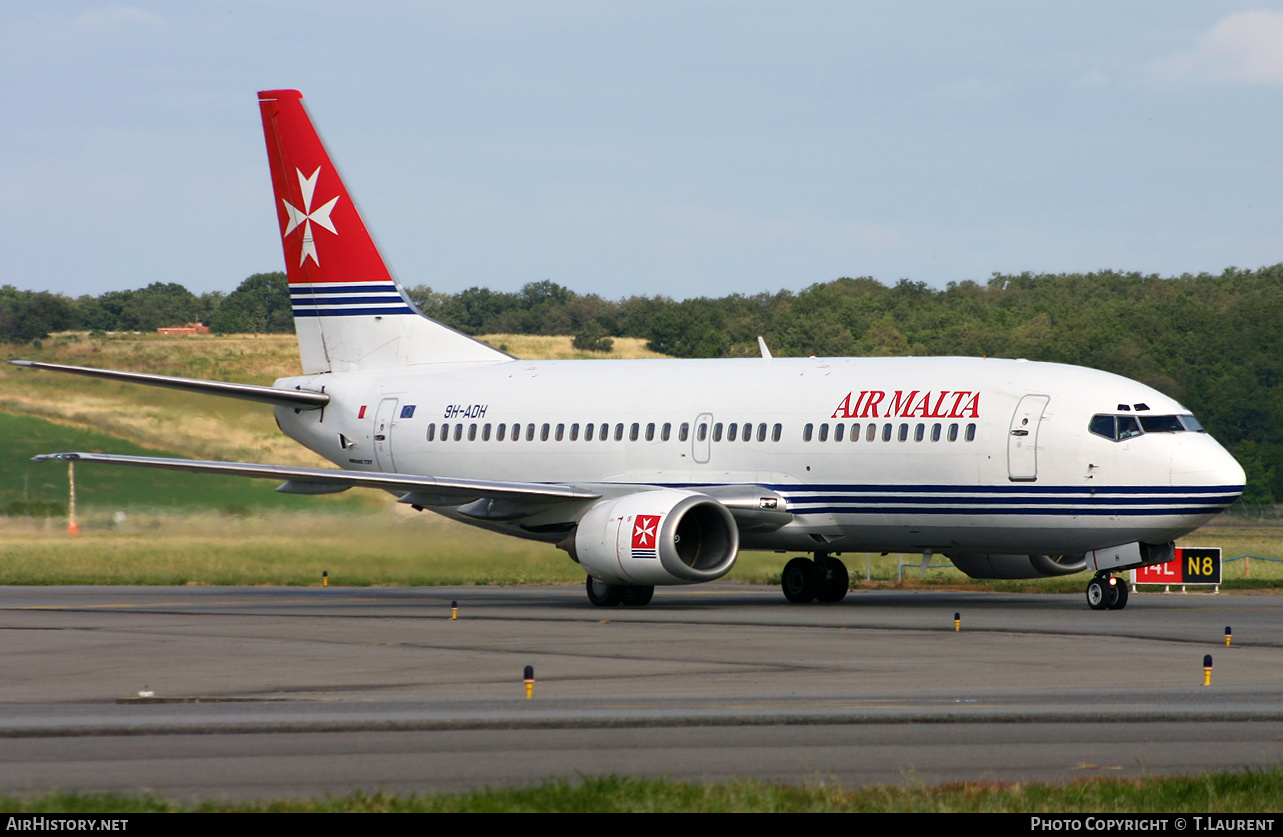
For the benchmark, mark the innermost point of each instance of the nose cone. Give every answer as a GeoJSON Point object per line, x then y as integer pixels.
{"type": "Point", "coordinates": [1200, 461]}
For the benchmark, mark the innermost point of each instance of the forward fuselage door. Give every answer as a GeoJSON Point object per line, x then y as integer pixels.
{"type": "Point", "coordinates": [701, 445]}
{"type": "Point", "coordinates": [383, 434]}
{"type": "Point", "coordinates": [1022, 439]}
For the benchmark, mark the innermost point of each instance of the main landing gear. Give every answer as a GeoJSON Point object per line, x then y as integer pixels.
{"type": "Point", "coordinates": [1106, 592]}
{"type": "Point", "coordinates": [825, 579]}
{"type": "Point", "coordinates": [608, 595]}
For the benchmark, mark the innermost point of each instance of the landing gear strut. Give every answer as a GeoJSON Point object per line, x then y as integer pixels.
{"type": "Point", "coordinates": [1106, 592]}
{"type": "Point", "coordinates": [825, 579]}
{"type": "Point", "coordinates": [602, 594]}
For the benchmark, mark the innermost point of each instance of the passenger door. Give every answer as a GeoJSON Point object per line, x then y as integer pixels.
{"type": "Point", "coordinates": [1022, 438]}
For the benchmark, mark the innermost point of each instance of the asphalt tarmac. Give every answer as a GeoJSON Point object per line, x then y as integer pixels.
{"type": "Point", "coordinates": [273, 692]}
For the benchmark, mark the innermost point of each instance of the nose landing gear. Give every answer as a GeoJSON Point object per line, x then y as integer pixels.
{"type": "Point", "coordinates": [1106, 592]}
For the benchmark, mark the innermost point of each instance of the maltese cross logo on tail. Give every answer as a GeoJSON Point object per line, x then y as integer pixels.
{"type": "Point", "coordinates": [307, 215]}
{"type": "Point", "coordinates": [646, 536]}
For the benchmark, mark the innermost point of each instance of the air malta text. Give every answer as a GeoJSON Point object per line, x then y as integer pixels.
{"type": "Point", "coordinates": [911, 404]}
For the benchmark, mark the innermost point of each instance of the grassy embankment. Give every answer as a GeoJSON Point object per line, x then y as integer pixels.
{"type": "Point", "coordinates": [1249, 793]}
{"type": "Point", "coordinates": [195, 529]}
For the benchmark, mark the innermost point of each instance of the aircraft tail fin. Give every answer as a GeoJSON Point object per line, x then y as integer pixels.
{"type": "Point", "coordinates": [349, 312]}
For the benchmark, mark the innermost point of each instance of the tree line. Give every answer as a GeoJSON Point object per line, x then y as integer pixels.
{"type": "Point", "coordinates": [1213, 342]}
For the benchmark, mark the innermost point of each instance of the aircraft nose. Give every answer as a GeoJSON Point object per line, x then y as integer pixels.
{"type": "Point", "coordinates": [1200, 460]}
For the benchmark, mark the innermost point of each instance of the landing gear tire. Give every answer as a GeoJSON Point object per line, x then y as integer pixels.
{"type": "Point", "coordinates": [1120, 601]}
{"type": "Point", "coordinates": [800, 580]}
{"type": "Point", "coordinates": [1102, 595]}
{"type": "Point", "coordinates": [834, 580]}
{"type": "Point", "coordinates": [637, 595]}
{"type": "Point", "coordinates": [602, 594]}
{"type": "Point", "coordinates": [1097, 594]}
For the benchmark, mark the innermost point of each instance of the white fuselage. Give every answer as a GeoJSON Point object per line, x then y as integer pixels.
{"type": "Point", "coordinates": [960, 457]}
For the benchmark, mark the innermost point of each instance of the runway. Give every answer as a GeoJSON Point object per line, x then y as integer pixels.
{"type": "Point", "coordinates": [266, 692]}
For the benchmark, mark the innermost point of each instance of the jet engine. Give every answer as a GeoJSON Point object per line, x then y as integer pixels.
{"type": "Point", "coordinates": [989, 565]}
{"type": "Point", "coordinates": [663, 536]}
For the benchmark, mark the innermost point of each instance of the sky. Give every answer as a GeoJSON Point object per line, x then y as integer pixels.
{"type": "Point", "coordinates": [695, 148]}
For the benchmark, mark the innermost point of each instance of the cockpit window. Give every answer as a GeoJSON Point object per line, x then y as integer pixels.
{"type": "Point", "coordinates": [1103, 426]}
{"type": "Point", "coordinates": [1161, 424]}
{"type": "Point", "coordinates": [1126, 426]}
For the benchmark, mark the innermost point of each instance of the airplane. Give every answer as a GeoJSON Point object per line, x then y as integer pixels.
{"type": "Point", "coordinates": [658, 472]}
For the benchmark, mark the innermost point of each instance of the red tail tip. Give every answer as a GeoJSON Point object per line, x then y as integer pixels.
{"type": "Point", "coordinates": [275, 95]}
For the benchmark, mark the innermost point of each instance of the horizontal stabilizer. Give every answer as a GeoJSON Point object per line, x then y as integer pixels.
{"type": "Point", "coordinates": [296, 398]}
{"type": "Point", "coordinates": [464, 490]}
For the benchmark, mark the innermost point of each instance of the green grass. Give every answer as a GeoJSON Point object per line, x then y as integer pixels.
{"type": "Point", "coordinates": [123, 488]}
{"type": "Point", "coordinates": [389, 544]}
{"type": "Point", "coordinates": [1251, 792]}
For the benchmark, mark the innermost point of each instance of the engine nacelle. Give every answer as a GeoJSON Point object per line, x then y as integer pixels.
{"type": "Point", "coordinates": [663, 536]}
{"type": "Point", "coordinates": [988, 565]}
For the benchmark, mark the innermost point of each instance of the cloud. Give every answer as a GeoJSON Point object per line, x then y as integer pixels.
{"type": "Point", "coordinates": [1244, 48]}
{"type": "Point", "coordinates": [118, 16]}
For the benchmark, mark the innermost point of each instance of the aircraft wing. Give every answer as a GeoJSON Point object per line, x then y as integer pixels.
{"type": "Point", "coordinates": [299, 480]}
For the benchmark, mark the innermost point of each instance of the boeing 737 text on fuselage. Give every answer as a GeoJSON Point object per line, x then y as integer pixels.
{"type": "Point", "coordinates": [658, 472]}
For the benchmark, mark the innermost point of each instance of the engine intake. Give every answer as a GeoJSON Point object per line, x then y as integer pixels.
{"type": "Point", "coordinates": [663, 536]}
